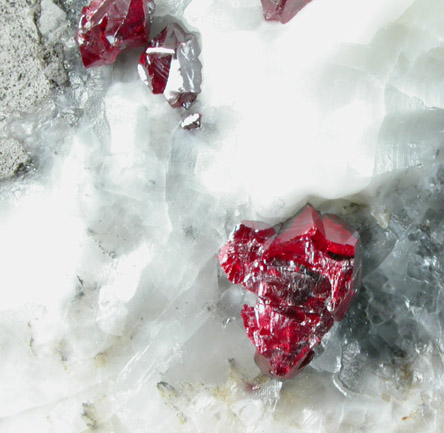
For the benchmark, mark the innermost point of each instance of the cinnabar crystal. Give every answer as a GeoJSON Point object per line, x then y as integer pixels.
{"type": "Point", "coordinates": [305, 276]}
{"type": "Point", "coordinates": [170, 65]}
{"type": "Point", "coordinates": [282, 10]}
{"type": "Point", "coordinates": [106, 27]}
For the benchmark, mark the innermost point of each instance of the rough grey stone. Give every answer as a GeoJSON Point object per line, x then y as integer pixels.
{"type": "Point", "coordinates": [12, 157]}
{"type": "Point", "coordinates": [31, 64]}
{"type": "Point", "coordinates": [23, 82]}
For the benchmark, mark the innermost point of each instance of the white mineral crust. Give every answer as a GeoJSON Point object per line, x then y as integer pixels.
{"type": "Point", "coordinates": [114, 314]}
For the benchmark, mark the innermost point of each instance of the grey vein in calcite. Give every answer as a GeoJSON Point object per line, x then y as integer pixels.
{"type": "Point", "coordinates": [397, 318]}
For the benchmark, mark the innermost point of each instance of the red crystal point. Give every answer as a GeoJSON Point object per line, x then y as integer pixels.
{"type": "Point", "coordinates": [170, 66]}
{"type": "Point", "coordinates": [106, 27]}
{"type": "Point", "coordinates": [340, 238]}
{"type": "Point", "coordinates": [305, 278]}
{"type": "Point", "coordinates": [282, 10]}
{"type": "Point", "coordinates": [303, 231]}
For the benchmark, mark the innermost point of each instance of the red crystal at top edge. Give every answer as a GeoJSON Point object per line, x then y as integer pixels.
{"type": "Point", "coordinates": [106, 27]}
{"type": "Point", "coordinates": [305, 277]}
{"type": "Point", "coordinates": [282, 10]}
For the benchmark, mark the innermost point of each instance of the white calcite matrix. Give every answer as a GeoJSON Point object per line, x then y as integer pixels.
{"type": "Point", "coordinates": [115, 316]}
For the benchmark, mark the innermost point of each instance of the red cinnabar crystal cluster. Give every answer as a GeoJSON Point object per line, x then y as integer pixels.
{"type": "Point", "coordinates": [282, 10]}
{"type": "Point", "coordinates": [106, 27]}
{"type": "Point", "coordinates": [305, 275]}
{"type": "Point", "coordinates": [170, 65]}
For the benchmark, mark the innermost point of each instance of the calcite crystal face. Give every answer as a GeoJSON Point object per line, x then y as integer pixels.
{"type": "Point", "coordinates": [170, 65]}
{"type": "Point", "coordinates": [305, 275]}
{"type": "Point", "coordinates": [106, 27]}
{"type": "Point", "coordinates": [282, 10]}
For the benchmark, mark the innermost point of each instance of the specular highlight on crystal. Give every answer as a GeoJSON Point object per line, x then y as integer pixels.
{"type": "Point", "coordinates": [106, 27]}
{"type": "Point", "coordinates": [305, 275]}
{"type": "Point", "coordinates": [192, 121]}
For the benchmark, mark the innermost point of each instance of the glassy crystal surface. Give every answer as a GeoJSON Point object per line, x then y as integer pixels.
{"type": "Point", "coordinates": [106, 27]}
{"type": "Point", "coordinates": [193, 121]}
{"type": "Point", "coordinates": [282, 10]}
{"type": "Point", "coordinates": [170, 65]}
{"type": "Point", "coordinates": [305, 276]}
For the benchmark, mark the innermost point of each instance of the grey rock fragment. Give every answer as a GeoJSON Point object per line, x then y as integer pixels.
{"type": "Point", "coordinates": [51, 22]}
{"type": "Point", "coordinates": [31, 64]}
{"type": "Point", "coordinates": [22, 78]}
{"type": "Point", "coordinates": [12, 157]}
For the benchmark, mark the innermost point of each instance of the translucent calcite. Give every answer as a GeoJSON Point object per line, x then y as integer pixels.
{"type": "Point", "coordinates": [305, 276]}
{"type": "Point", "coordinates": [170, 65]}
{"type": "Point", "coordinates": [282, 10]}
{"type": "Point", "coordinates": [106, 27]}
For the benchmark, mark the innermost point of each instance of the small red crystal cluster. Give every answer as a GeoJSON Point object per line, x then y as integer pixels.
{"type": "Point", "coordinates": [106, 27]}
{"type": "Point", "coordinates": [305, 276]}
{"type": "Point", "coordinates": [170, 65]}
{"type": "Point", "coordinates": [282, 10]}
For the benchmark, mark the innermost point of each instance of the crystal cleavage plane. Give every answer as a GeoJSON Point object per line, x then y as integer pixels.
{"type": "Point", "coordinates": [170, 65]}
{"type": "Point", "coordinates": [304, 274]}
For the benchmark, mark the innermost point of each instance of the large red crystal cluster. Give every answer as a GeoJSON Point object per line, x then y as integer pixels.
{"type": "Point", "coordinates": [282, 10]}
{"type": "Point", "coordinates": [305, 276]}
{"type": "Point", "coordinates": [106, 27]}
{"type": "Point", "coordinates": [170, 65]}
